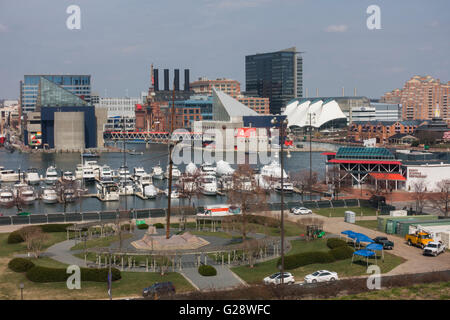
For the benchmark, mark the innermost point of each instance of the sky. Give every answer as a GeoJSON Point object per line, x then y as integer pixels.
{"type": "Point", "coordinates": [120, 39]}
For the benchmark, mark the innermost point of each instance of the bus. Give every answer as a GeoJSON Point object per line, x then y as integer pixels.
{"type": "Point", "coordinates": [218, 210]}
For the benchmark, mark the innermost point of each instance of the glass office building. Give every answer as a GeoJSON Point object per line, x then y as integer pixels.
{"type": "Point", "coordinates": [79, 85]}
{"type": "Point", "coordinates": [276, 75]}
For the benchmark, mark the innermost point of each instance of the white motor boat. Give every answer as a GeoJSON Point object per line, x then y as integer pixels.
{"type": "Point", "coordinates": [51, 175]}
{"type": "Point", "coordinates": [32, 176]}
{"type": "Point", "coordinates": [208, 185]}
{"type": "Point", "coordinates": [79, 172]}
{"type": "Point", "coordinates": [174, 194]}
{"type": "Point", "coordinates": [126, 188]}
{"type": "Point", "coordinates": [191, 169]}
{"type": "Point", "coordinates": [150, 191]}
{"type": "Point", "coordinates": [27, 195]}
{"type": "Point", "coordinates": [6, 197]}
{"type": "Point", "coordinates": [270, 175]}
{"type": "Point", "coordinates": [108, 191]}
{"type": "Point", "coordinates": [68, 176]}
{"type": "Point", "coordinates": [157, 172]}
{"type": "Point", "coordinates": [176, 173]}
{"type": "Point", "coordinates": [49, 196]}
{"type": "Point", "coordinates": [124, 173]}
{"type": "Point", "coordinates": [106, 174]}
{"type": "Point", "coordinates": [145, 186]}
{"type": "Point", "coordinates": [224, 168]}
{"type": "Point", "coordinates": [7, 175]}
{"type": "Point", "coordinates": [225, 183]}
{"type": "Point", "coordinates": [208, 169]}
{"type": "Point", "coordinates": [68, 195]}
{"type": "Point", "coordinates": [288, 187]}
{"type": "Point", "coordinates": [138, 172]}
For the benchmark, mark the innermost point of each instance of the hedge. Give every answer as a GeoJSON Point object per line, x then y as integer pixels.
{"type": "Point", "coordinates": [15, 237]}
{"type": "Point", "coordinates": [302, 259]}
{"type": "Point", "coordinates": [335, 243]}
{"type": "Point", "coordinates": [342, 253]}
{"type": "Point", "coordinates": [55, 227]}
{"type": "Point", "coordinates": [20, 265]}
{"type": "Point", "coordinates": [44, 274]}
{"type": "Point", "coordinates": [142, 226]}
{"type": "Point", "coordinates": [207, 270]}
{"type": "Point", "coordinates": [158, 225]}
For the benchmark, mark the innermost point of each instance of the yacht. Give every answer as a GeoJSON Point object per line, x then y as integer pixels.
{"type": "Point", "coordinates": [27, 195]}
{"type": "Point", "coordinates": [208, 185]}
{"type": "Point", "coordinates": [49, 195]}
{"type": "Point", "coordinates": [7, 175]}
{"type": "Point", "coordinates": [224, 168]}
{"type": "Point", "coordinates": [105, 173]}
{"type": "Point", "coordinates": [191, 169]}
{"type": "Point", "coordinates": [288, 187]}
{"type": "Point", "coordinates": [32, 176]}
{"type": "Point", "coordinates": [68, 195]}
{"type": "Point", "coordinates": [126, 188]}
{"type": "Point", "coordinates": [176, 173]}
{"type": "Point", "coordinates": [138, 172]}
{"type": "Point", "coordinates": [188, 183]}
{"type": "Point", "coordinates": [68, 176]}
{"type": "Point", "coordinates": [270, 175]}
{"type": "Point", "coordinates": [51, 175]}
{"type": "Point", "coordinates": [225, 183]}
{"type": "Point", "coordinates": [108, 191]}
{"type": "Point", "coordinates": [6, 197]}
{"type": "Point", "coordinates": [208, 169]}
{"type": "Point", "coordinates": [145, 186]}
{"type": "Point", "coordinates": [79, 172]}
{"type": "Point", "coordinates": [173, 195]}
{"type": "Point", "coordinates": [157, 172]}
{"type": "Point", "coordinates": [17, 187]}
{"type": "Point", "coordinates": [124, 173]}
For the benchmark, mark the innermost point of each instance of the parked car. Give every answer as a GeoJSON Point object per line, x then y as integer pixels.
{"type": "Point", "coordinates": [434, 248]}
{"type": "Point", "coordinates": [159, 289]}
{"type": "Point", "coordinates": [301, 210]}
{"type": "Point", "coordinates": [321, 276]}
{"type": "Point", "coordinates": [276, 278]}
{"type": "Point", "coordinates": [387, 244]}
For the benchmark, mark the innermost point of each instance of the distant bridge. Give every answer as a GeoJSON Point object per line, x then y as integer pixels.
{"type": "Point", "coordinates": [151, 136]}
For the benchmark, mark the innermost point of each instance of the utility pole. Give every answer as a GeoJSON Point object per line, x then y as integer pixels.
{"type": "Point", "coordinates": [169, 187]}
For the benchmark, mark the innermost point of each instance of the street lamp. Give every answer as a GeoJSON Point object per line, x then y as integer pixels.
{"type": "Point", "coordinates": [312, 116]}
{"type": "Point", "coordinates": [283, 129]}
{"type": "Point", "coordinates": [21, 286]}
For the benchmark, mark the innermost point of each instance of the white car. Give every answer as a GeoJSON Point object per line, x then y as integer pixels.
{"type": "Point", "coordinates": [301, 210]}
{"type": "Point", "coordinates": [434, 248]}
{"type": "Point", "coordinates": [321, 276]}
{"type": "Point", "coordinates": [276, 278]}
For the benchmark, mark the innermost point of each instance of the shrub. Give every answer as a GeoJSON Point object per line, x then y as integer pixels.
{"type": "Point", "coordinates": [55, 227]}
{"type": "Point", "coordinates": [335, 243]}
{"type": "Point", "coordinates": [158, 225]}
{"type": "Point", "coordinates": [207, 270]}
{"type": "Point", "coordinates": [342, 253]}
{"type": "Point", "coordinates": [302, 259]}
{"type": "Point", "coordinates": [142, 226]}
{"type": "Point", "coordinates": [15, 237]}
{"type": "Point", "coordinates": [20, 265]}
{"type": "Point", "coordinates": [43, 274]}
{"type": "Point", "coordinates": [126, 227]}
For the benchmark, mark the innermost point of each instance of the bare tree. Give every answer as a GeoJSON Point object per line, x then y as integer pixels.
{"type": "Point", "coordinates": [68, 191]}
{"type": "Point", "coordinates": [251, 249]}
{"type": "Point", "coordinates": [246, 194]}
{"type": "Point", "coordinates": [442, 203]}
{"type": "Point", "coordinates": [34, 239]}
{"type": "Point", "coordinates": [304, 181]}
{"type": "Point", "coordinates": [419, 189]}
{"type": "Point", "coordinates": [188, 187]}
{"type": "Point", "coordinates": [333, 180]}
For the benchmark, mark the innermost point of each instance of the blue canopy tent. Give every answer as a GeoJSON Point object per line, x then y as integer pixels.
{"type": "Point", "coordinates": [364, 253]}
{"type": "Point", "coordinates": [376, 247]}
{"type": "Point", "coordinates": [357, 237]}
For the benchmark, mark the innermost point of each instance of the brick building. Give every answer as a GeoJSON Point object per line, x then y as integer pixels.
{"type": "Point", "coordinates": [420, 97]}
{"type": "Point", "coordinates": [381, 130]}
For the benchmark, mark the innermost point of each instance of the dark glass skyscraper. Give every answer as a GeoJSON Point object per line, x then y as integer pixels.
{"type": "Point", "coordinates": [275, 75]}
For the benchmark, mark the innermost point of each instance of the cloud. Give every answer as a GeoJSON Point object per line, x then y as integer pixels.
{"type": "Point", "coordinates": [3, 28]}
{"type": "Point", "coordinates": [434, 24]}
{"type": "Point", "coordinates": [237, 4]}
{"type": "Point", "coordinates": [336, 28]}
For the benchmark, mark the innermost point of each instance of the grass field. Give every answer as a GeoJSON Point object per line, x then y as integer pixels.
{"type": "Point", "coordinates": [340, 212]}
{"type": "Point", "coordinates": [100, 242]}
{"type": "Point", "coordinates": [344, 268]}
{"type": "Point", "coordinates": [369, 224]}
{"type": "Point", "coordinates": [428, 291]}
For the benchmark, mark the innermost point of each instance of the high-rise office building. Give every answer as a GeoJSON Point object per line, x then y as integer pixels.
{"type": "Point", "coordinates": [275, 75]}
{"type": "Point", "coordinates": [80, 85]}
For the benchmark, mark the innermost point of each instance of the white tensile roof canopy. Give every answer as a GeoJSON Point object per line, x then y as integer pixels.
{"type": "Point", "coordinates": [301, 112]}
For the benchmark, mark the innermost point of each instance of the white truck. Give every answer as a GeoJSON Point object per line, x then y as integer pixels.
{"type": "Point", "coordinates": [434, 248]}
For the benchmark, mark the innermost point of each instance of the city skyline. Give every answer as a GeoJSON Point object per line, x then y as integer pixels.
{"type": "Point", "coordinates": [119, 41]}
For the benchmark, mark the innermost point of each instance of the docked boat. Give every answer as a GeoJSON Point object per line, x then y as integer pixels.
{"type": "Point", "coordinates": [105, 173]}
{"type": "Point", "coordinates": [288, 187]}
{"type": "Point", "coordinates": [137, 173]}
{"type": "Point", "coordinates": [49, 196]}
{"type": "Point", "coordinates": [68, 176]}
{"type": "Point", "coordinates": [188, 183]}
{"type": "Point", "coordinates": [223, 168]}
{"type": "Point", "coordinates": [191, 169]}
{"type": "Point", "coordinates": [270, 175]}
{"type": "Point", "coordinates": [126, 188]}
{"type": "Point", "coordinates": [208, 185]}
{"type": "Point", "coordinates": [6, 197]}
{"type": "Point", "coordinates": [135, 153]}
{"type": "Point", "coordinates": [145, 186]}
{"type": "Point", "coordinates": [90, 155]}
{"type": "Point", "coordinates": [27, 195]}
{"type": "Point", "coordinates": [8, 175]}
{"type": "Point", "coordinates": [108, 191]}
{"type": "Point", "coordinates": [157, 172]}
{"type": "Point", "coordinates": [225, 183]}
{"type": "Point", "coordinates": [17, 187]}
{"type": "Point", "coordinates": [173, 195]}
{"type": "Point", "coordinates": [68, 195]}
{"type": "Point", "coordinates": [176, 173]}
{"type": "Point", "coordinates": [32, 176]}
{"type": "Point", "coordinates": [51, 175]}
{"type": "Point", "coordinates": [208, 169]}
{"type": "Point", "coordinates": [124, 173]}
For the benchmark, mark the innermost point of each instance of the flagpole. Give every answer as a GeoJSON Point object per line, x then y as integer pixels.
{"type": "Point", "coordinates": [110, 278]}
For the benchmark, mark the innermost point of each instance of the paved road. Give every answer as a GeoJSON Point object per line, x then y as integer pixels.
{"type": "Point", "coordinates": [416, 262]}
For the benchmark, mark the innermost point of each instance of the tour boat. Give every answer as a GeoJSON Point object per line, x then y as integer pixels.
{"type": "Point", "coordinates": [32, 176]}
{"type": "Point", "coordinates": [49, 196]}
{"type": "Point", "coordinates": [7, 175]}
{"type": "Point", "coordinates": [6, 197]}
{"type": "Point", "coordinates": [208, 185]}
{"type": "Point", "coordinates": [51, 175]}
{"type": "Point", "coordinates": [108, 191]}
{"type": "Point", "coordinates": [270, 175]}
{"type": "Point", "coordinates": [176, 173]}
{"type": "Point", "coordinates": [157, 172]}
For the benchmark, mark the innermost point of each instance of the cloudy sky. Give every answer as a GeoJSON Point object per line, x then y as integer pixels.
{"type": "Point", "coordinates": [119, 39]}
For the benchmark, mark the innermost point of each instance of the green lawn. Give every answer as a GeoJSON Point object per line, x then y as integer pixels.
{"type": "Point", "coordinates": [344, 268]}
{"type": "Point", "coordinates": [369, 224]}
{"type": "Point", "coordinates": [8, 250]}
{"type": "Point", "coordinates": [219, 234]}
{"type": "Point", "coordinates": [340, 212]}
{"type": "Point", "coordinates": [100, 242]}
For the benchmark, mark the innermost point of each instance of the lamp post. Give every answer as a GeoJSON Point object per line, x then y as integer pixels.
{"type": "Point", "coordinates": [283, 129]}
{"type": "Point", "coordinates": [21, 286]}
{"type": "Point", "coordinates": [312, 115]}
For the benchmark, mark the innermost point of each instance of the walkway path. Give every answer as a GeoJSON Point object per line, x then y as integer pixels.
{"type": "Point", "coordinates": [225, 279]}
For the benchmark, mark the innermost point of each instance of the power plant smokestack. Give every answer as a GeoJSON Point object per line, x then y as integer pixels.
{"type": "Point", "coordinates": [176, 80]}
{"type": "Point", "coordinates": [306, 92]}
{"type": "Point", "coordinates": [354, 92]}
{"type": "Point", "coordinates": [343, 92]}
{"type": "Point", "coordinates": [156, 80]}
{"type": "Point", "coordinates": [186, 80]}
{"type": "Point", "coordinates": [166, 79]}
{"type": "Point", "coordinates": [317, 92]}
